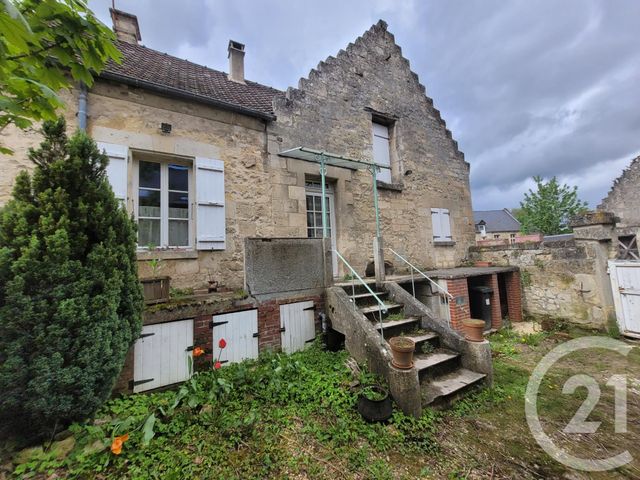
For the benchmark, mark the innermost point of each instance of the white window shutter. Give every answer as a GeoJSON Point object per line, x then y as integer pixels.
{"type": "Point", "coordinates": [436, 225]}
{"type": "Point", "coordinates": [445, 218]}
{"type": "Point", "coordinates": [381, 154]}
{"type": "Point", "coordinates": [117, 168]}
{"type": "Point", "coordinates": [210, 218]}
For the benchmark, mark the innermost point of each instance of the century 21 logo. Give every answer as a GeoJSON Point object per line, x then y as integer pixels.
{"type": "Point", "coordinates": [579, 423]}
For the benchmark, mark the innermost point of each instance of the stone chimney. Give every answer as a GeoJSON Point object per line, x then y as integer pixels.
{"type": "Point", "coordinates": [236, 61]}
{"type": "Point", "coordinates": [126, 26]}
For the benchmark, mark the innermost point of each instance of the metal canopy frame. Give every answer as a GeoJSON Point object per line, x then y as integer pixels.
{"type": "Point", "coordinates": [325, 159]}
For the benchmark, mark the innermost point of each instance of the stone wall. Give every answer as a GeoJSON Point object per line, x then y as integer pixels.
{"type": "Point", "coordinates": [332, 110]}
{"type": "Point", "coordinates": [624, 198]}
{"type": "Point", "coordinates": [561, 279]}
{"type": "Point", "coordinates": [265, 194]}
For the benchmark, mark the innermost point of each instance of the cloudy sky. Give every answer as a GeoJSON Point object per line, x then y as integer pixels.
{"type": "Point", "coordinates": [543, 87]}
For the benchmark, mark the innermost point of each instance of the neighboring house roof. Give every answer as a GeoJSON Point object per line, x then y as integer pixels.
{"type": "Point", "coordinates": [163, 73]}
{"type": "Point", "coordinates": [496, 220]}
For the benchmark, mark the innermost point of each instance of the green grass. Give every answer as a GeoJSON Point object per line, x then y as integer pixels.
{"type": "Point", "coordinates": [280, 416]}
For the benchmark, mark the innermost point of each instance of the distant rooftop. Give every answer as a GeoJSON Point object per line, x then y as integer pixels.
{"type": "Point", "coordinates": [496, 220]}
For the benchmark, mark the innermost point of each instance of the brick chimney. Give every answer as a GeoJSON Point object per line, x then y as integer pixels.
{"type": "Point", "coordinates": [126, 26]}
{"type": "Point", "coordinates": [236, 61]}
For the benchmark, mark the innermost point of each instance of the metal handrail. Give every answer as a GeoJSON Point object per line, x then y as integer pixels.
{"type": "Point", "coordinates": [382, 308]}
{"type": "Point", "coordinates": [440, 287]}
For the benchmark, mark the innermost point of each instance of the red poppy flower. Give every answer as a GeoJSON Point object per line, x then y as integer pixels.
{"type": "Point", "coordinates": [198, 351]}
{"type": "Point", "coordinates": [217, 365]}
{"type": "Point", "coordinates": [222, 343]}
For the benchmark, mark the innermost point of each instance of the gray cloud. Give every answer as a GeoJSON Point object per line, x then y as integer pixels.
{"type": "Point", "coordinates": [528, 88]}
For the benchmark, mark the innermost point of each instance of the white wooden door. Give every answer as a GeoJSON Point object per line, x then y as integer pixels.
{"type": "Point", "coordinates": [297, 324]}
{"type": "Point", "coordinates": [625, 284]}
{"type": "Point", "coordinates": [161, 355]}
{"type": "Point", "coordinates": [240, 332]}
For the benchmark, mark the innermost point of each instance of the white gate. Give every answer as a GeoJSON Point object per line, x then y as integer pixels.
{"type": "Point", "coordinates": [625, 283]}
{"type": "Point", "coordinates": [297, 325]}
{"type": "Point", "coordinates": [240, 332]}
{"type": "Point", "coordinates": [161, 355]}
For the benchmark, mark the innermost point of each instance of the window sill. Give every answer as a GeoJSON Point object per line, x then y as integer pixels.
{"type": "Point", "coordinates": [444, 244]}
{"type": "Point", "coordinates": [396, 187]}
{"type": "Point", "coordinates": [168, 254]}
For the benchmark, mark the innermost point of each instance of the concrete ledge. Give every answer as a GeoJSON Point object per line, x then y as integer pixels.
{"type": "Point", "coordinates": [168, 254]}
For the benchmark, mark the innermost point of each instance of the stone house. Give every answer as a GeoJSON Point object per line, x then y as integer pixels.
{"type": "Point", "coordinates": [623, 200]}
{"type": "Point", "coordinates": [203, 161]}
{"type": "Point", "coordinates": [496, 225]}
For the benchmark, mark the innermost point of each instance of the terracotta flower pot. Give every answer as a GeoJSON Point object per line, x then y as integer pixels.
{"type": "Point", "coordinates": [402, 349]}
{"type": "Point", "coordinates": [481, 263]}
{"type": "Point", "coordinates": [473, 329]}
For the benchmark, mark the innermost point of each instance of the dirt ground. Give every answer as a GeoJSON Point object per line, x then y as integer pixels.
{"type": "Point", "coordinates": [493, 441]}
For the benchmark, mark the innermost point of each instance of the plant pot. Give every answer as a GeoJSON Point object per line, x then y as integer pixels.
{"type": "Point", "coordinates": [402, 349]}
{"type": "Point", "coordinates": [155, 289]}
{"type": "Point", "coordinates": [375, 410]}
{"type": "Point", "coordinates": [483, 264]}
{"type": "Point", "coordinates": [473, 330]}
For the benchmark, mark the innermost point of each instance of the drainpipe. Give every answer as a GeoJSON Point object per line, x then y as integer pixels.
{"type": "Point", "coordinates": [82, 107]}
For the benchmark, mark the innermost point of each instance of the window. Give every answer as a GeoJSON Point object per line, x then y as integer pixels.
{"type": "Point", "coordinates": [628, 248]}
{"type": "Point", "coordinates": [512, 238]}
{"type": "Point", "coordinates": [496, 236]}
{"type": "Point", "coordinates": [382, 151]}
{"type": "Point", "coordinates": [163, 203]}
{"type": "Point", "coordinates": [441, 224]}
{"type": "Point", "coordinates": [483, 230]}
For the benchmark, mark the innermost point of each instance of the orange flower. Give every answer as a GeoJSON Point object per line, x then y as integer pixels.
{"type": "Point", "coordinates": [217, 365]}
{"type": "Point", "coordinates": [198, 351]}
{"type": "Point", "coordinates": [116, 446]}
{"type": "Point", "coordinates": [222, 343]}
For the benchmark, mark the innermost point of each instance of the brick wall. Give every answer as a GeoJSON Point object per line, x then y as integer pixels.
{"type": "Point", "coordinates": [496, 313]}
{"type": "Point", "coordinates": [458, 287]}
{"type": "Point", "coordinates": [514, 296]}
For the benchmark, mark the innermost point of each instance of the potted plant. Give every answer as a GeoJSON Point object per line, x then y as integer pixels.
{"type": "Point", "coordinates": [473, 329]}
{"type": "Point", "coordinates": [155, 288]}
{"type": "Point", "coordinates": [374, 403]}
{"type": "Point", "coordinates": [402, 350]}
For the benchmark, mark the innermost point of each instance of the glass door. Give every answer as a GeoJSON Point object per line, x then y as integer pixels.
{"type": "Point", "coordinates": [314, 217]}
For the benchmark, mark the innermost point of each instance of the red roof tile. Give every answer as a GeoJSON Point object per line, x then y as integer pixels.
{"type": "Point", "coordinates": [142, 65]}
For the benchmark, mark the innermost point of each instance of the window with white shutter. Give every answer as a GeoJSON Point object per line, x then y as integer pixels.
{"type": "Point", "coordinates": [210, 223]}
{"type": "Point", "coordinates": [441, 225]}
{"type": "Point", "coordinates": [117, 168]}
{"type": "Point", "coordinates": [381, 151]}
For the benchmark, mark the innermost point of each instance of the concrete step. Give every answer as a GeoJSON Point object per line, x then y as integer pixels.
{"type": "Point", "coordinates": [421, 338]}
{"type": "Point", "coordinates": [443, 389]}
{"type": "Point", "coordinates": [425, 361]}
{"type": "Point", "coordinates": [367, 295]}
{"type": "Point", "coordinates": [376, 308]}
{"type": "Point", "coordinates": [408, 322]}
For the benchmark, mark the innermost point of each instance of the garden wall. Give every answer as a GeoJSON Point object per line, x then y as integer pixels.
{"type": "Point", "coordinates": [566, 279]}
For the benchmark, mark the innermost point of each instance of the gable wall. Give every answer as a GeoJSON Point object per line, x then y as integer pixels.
{"type": "Point", "coordinates": [331, 111]}
{"type": "Point", "coordinates": [624, 198]}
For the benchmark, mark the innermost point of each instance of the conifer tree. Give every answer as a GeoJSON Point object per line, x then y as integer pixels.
{"type": "Point", "coordinates": [70, 300]}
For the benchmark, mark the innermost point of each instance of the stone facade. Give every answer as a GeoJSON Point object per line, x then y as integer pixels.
{"type": "Point", "coordinates": [624, 198]}
{"type": "Point", "coordinates": [265, 194]}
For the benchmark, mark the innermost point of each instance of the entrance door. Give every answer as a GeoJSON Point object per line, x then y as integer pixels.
{"type": "Point", "coordinates": [314, 217]}
{"type": "Point", "coordinates": [625, 284]}
{"type": "Point", "coordinates": [297, 325]}
{"type": "Point", "coordinates": [240, 332]}
{"type": "Point", "coordinates": [161, 355]}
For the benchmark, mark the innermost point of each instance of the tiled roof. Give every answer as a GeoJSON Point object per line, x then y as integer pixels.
{"type": "Point", "coordinates": [496, 220]}
{"type": "Point", "coordinates": [146, 67]}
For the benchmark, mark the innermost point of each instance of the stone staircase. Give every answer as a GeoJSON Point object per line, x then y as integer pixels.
{"type": "Point", "coordinates": [442, 377]}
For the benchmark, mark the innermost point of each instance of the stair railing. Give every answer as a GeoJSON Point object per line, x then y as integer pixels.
{"type": "Point", "coordinates": [448, 296]}
{"type": "Point", "coordinates": [382, 308]}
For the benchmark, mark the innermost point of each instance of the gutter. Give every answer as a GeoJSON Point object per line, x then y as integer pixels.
{"type": "Point", "coordinates": [174, 92]}
{"type": "Point", "coordinates": [82, 107]}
